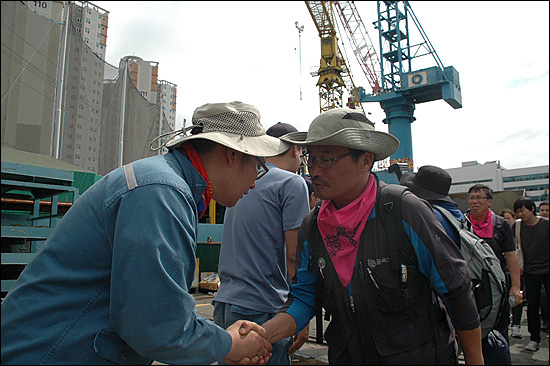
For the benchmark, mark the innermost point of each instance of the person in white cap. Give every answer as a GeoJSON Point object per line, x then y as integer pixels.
{"type": "Point", "coordinates": [382, 309]}
{"type": "Point", "coordinates": [111, 285]}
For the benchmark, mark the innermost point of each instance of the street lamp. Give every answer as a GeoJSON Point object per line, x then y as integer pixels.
{"type": "Point", "coordinates": [300, 30]}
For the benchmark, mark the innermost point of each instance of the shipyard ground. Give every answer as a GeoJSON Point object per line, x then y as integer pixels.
{"type": "Point", "coordinates": [312, 353]}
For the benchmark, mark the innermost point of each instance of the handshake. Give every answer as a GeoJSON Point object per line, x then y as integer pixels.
{"type": "Point", "coordinates": [249, 345]}
{"type": "Point", "coordinates": [252, 342]}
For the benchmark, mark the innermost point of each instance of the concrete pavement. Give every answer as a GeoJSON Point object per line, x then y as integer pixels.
{"type": "Point", "coordinates": [312, 353]}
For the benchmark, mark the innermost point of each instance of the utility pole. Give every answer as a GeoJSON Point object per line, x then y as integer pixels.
{"type": "Point", "coordinates": [58, 112]}
{"type": "Point", "coordinates": [300, 30]}
{"type": "Point", "coordinates": [160, 122]}
{"type": "Point", "coordinates": [122, 113]}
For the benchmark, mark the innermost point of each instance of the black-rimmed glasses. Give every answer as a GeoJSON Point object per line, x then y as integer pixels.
{"type": "Point", "coordinates": [262, 169]}
{"type": "Point", "coordinates": [476, 198]}
{"type": "Point", "coordinates": [323, 163]}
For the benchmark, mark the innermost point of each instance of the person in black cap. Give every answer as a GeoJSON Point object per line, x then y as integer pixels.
{"type": "Point", "coordinates": [313, 199]}
{"type": "Point", "coordinates": [259, 244]}
{"type": "Point", "coordinates": [432, 184]}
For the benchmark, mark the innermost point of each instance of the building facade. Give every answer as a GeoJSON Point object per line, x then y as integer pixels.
{"type": "Point", "coordinates": [144, 76]}
{"type": "Point", "coordinates": [167, 100]}
{"type": "Point", "coordinates": [59, 96]}
{"type": "Point", "coordinates": [31, 33]}
{"type": "Point", "coordinates": [53, 53]}
{"type": "Point", "coordinates": [83, 85]}
{"type": "Point", "coordinates": [533, 181]}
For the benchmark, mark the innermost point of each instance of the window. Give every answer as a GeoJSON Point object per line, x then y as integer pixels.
{"type": "Point", "coordinates": [520, 178]}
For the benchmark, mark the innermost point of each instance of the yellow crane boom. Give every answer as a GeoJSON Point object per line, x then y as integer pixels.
{"type": "Point", "coordinates": [334, 74]}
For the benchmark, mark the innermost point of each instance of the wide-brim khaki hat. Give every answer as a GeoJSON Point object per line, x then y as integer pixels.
{"type": "Point", "coordinates": [235, 125]}
{"type": "Point", "coordinates": [345, 127]}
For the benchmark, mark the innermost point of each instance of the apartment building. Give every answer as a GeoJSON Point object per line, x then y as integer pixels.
{"type": "Point", "coordinates": [533, 181]}
{"type": "Point", "coordinates": [31, 38]}
{"type": "Point", "coordinates": [55, 52]}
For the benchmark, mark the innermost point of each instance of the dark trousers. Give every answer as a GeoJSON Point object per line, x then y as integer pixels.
{"type": "Point", "coordinates": [533, 284]}
{"type": "Point", "coordinates": [544, 305]}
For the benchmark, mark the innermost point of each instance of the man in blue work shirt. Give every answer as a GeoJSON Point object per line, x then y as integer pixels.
{"type": "Point", "coordinates": [111, 285]}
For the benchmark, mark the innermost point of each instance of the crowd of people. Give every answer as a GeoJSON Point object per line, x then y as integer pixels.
{"type": "Point", "coordinates": [112, 283]}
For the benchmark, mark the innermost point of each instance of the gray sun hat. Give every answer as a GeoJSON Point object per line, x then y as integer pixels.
{"type": "Point", "coordinates": [234, 124]}
{"type": "Point", "coordinates": [430, 183]}
{"type": "Point", "coordinates": [345, 127]}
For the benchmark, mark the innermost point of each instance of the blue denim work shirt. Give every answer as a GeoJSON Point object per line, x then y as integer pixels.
{"type": "Point", "coordinates": [111, 285]}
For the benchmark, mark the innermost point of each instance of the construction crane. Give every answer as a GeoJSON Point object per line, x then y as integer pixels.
{"type": "Point", "coordinates": [394, 82]}
{"type": "Point", "coordinates": [402, 86]}
{"type": "Point", "coordinates": [334, 73]}
{"type": "Point", "coordinates": [363, 48]}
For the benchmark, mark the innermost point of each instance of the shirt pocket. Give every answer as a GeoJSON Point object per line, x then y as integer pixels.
{"type": "Point", "coordinates": [388, 289]}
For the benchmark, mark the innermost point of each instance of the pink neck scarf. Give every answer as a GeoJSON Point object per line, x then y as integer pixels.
{"type": "Point", "coordinates": [341, 229]}
{"type": "Point", "coordinates": [483, 228]}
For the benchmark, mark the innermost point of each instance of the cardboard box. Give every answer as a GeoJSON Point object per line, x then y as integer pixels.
{"type": "Point", "coordinates": [211, 282]}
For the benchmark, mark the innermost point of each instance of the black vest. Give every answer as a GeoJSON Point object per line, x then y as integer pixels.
{"type": "Point", "coordinates": [392, 317]}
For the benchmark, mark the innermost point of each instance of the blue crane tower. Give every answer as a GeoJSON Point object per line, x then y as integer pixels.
{"type": "Point", "coordinates": [401, 87]}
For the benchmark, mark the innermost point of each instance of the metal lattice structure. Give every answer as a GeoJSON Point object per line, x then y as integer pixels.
{"type": "Point", "coordinates": [363, 48]}
{"type": "Point", "coordinates": [394, 83]}
{"type": "Point", "coordinates": [334, 74]}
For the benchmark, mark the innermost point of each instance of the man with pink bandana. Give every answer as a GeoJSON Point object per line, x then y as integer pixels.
{"type": "Point", "coordinates": [498, 234]}
{"type": "Point", "coordinates": [383, 309]}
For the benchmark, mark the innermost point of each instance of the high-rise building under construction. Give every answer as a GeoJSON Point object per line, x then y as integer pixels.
{"type": "Point", "coordinates": [59, 96]}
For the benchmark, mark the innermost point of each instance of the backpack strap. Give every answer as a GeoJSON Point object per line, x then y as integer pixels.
{"type": "Point", "coordinates": [517, 239]}
{"type": "Point", "coordinates": [389, 208]}
{"type": "Point", "coordinates": [458, 225]}
{"type": "Point", "coordinates": [402, 252]}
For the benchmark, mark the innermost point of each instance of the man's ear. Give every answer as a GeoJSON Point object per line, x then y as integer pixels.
{"type": "Point", "coordinates": [296, 151]}
{"type": "Point", "coordinates": [229, 156]}
{"type": "Point", "coordinates": [368, 160]}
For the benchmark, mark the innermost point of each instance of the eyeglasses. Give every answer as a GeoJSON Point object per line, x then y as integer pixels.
{"type": "Point", "coordinates": [262, 169]}
{"type": "Point", "coordinates": [476, 198]}
{"type": "Point", "coordinates": [323, 163]}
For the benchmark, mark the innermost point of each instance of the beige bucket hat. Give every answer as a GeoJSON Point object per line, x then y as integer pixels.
{"type": "Point", "coordinates": [345, 127]}
{"type": "Point", "coordinates": [234, 124]}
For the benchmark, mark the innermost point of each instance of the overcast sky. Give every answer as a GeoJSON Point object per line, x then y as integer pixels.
{"type": "Point", "coordinates": [250, 51]}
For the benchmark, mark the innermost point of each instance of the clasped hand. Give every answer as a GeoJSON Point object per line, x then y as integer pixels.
{"type": "Point", "coordinates": [249, 347]}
